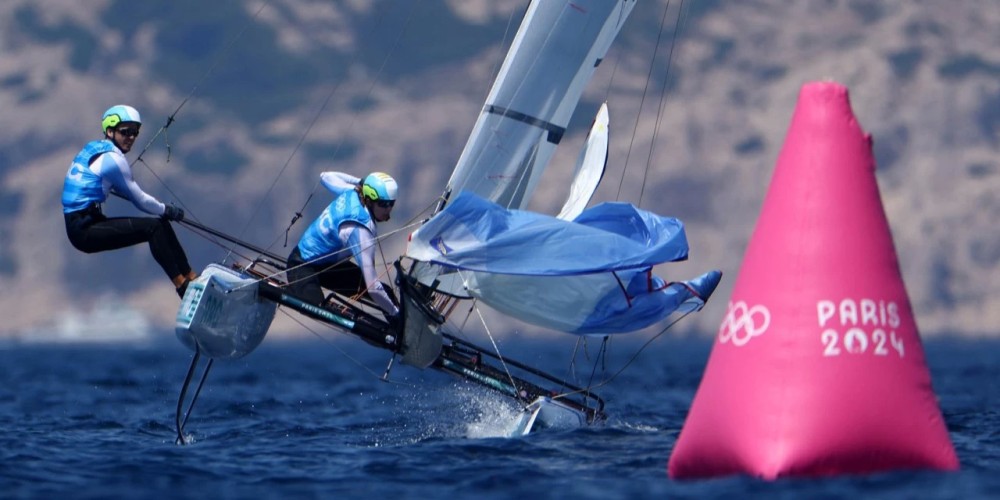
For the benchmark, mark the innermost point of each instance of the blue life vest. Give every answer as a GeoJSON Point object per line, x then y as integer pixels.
{"type": "Point", "coordinates": [82, 186]}
{"type": "Point", "coordinates": [321, 240]}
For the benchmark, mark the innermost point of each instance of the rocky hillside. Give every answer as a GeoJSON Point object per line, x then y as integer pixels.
{"type": "Point", "coordinates": [261, 97]}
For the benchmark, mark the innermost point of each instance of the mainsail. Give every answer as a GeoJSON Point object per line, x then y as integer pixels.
{"type": "Point", "coordinates": [553, 56]}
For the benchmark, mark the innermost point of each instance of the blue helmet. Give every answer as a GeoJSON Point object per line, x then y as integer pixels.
{"type": "Point", "coordinates": [119, 114]}
{"type": "Point", "coordinates": [379, 186]}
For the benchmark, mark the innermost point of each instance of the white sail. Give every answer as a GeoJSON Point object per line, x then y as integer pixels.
{"type": "Point", "coordinates": [553, 56]}
{"type": "Point", "coordinates": [589, 168]}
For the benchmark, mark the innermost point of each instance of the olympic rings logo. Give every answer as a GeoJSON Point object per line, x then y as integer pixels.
{"type": "Point", "coordinates": [743, 323]}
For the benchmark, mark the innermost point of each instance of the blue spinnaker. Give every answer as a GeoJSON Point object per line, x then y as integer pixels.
{"type": "Point", "coordinates": [589, 275]}
{"type": "Point", "coordinates": [477, 235]}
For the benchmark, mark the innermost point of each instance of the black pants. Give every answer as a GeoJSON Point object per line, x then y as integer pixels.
{"type": "Point", "coordinates": [90, 231]}
{"type": "Point", "coordinates": [307, 281]}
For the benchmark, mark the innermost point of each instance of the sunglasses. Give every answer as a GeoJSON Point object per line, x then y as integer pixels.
{"type": "Point", "coordinates": [128, 131]}
{"type": "Point", "coordinates": [385, 203]}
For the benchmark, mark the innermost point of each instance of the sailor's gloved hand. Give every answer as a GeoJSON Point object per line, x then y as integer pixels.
{"type": "Point", "coordinates": [172, 212]}
{"type": "Point", "coordinates": [395, 322]}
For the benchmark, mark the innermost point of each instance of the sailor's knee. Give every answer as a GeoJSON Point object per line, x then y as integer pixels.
{"type": "Point", "coordinates": [81, 245]}
{"type": "Point", "coordinates": [159, 225]}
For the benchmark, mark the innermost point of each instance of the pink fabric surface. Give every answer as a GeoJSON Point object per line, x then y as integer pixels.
{"type": "Point", "coordinates": [818, 367]}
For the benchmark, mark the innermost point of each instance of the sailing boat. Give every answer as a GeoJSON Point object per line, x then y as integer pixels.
{"type": "Point", "coordinates": [584, 271]}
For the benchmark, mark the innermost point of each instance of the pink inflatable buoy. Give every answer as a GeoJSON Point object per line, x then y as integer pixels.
{"type": "Point", "coordinates": [817, 368]}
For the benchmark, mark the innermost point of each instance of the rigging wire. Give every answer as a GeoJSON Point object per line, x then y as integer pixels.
{"type": "Point", "coordinates": [601, 355]}
{"type": "Point", "coordinates": [170, 119]}
{"type": "Point", "coordinates": [645, 89]}
{"type": "Point", "coordinates": [580, 341]}
{"type": "Point", "coordinates": [663, 99]}
{"type": "Point", "coordinates": [631, 360]}
{"type": "Point", "coordinates": [496, 348]}
{"type": "Point", "coordinates": [216, 63]}
{"type": "Point", "coordinates": [298, 214]}
{"type": "Point", "coordinates": [501, 55]}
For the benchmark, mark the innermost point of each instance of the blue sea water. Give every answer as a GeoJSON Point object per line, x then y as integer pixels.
{"type": "Point", "coordinates": [311, 419]}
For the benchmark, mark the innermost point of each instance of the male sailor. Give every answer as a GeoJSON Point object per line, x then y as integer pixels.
{"type": "Point", "coordinates": [346, 228]}
{"type": "Point", "coordinates": [99, 168]}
